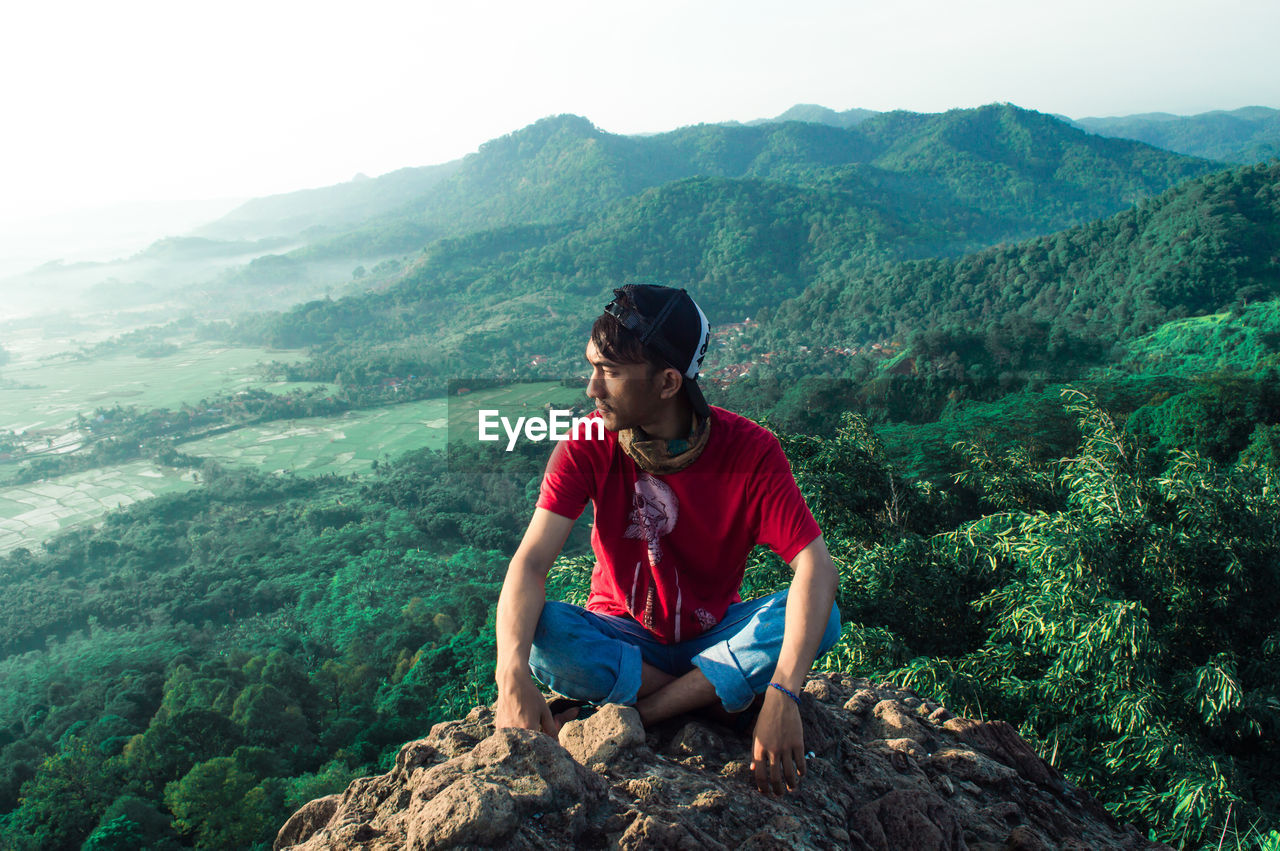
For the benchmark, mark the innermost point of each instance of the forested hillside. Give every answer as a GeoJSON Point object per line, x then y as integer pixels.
{"type": "Point", "coordinates": [218, 658]}
{"type": "Point", "coordinates": [942, 184]}
{"type": "Point", "coordinates": [820, 115]}
{"type": "Point", "coordinates": [1247, 135]}
{"type": "Point", "coordinates": [1031, 170]}
{"type": "Point", "coordinates": [1061, 301]}
{"type": "Point", "coordinates": [979, 342]}
{"type": "Point", "coordinates": [1206, 244]}
{"type": "Point", "coordinates": [326, 209]}
{"type": "Point", "coordinates": [1243, 136]}
{"type": "Point", "coordinates": [783, 206]}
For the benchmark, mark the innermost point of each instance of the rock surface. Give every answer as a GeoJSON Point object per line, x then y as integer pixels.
{"type": "Point", "coordinates": [889, 771]}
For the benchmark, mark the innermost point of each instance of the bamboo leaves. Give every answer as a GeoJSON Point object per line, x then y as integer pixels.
{"type": "Point", "coordinates": [1123, 616]}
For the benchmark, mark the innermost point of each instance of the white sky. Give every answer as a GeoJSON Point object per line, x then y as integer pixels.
{"type": "Point", "coordinates": [138, 101]}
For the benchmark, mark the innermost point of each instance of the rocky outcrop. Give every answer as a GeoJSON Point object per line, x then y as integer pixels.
{"type": "Point", "coordinates": [888, 771]}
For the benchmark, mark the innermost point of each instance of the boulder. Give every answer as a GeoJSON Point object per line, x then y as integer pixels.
{"type": "Point", "coordinates": [887, 770]}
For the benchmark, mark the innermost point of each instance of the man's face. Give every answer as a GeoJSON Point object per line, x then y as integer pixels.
{"type": "Point", "coordinates": [626, 394]}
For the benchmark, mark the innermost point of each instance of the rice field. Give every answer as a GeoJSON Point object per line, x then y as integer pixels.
{"type": "Point", "coordinates": [48, 394]}
{"type": "Point", "coordinates": [340, 445]}
{"type": "Point", "coordinates": [31, 513]}
{"type": "Point", "coordinates": [350, 443]}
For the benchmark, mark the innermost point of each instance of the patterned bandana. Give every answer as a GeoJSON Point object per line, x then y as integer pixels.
{"type": "Point", "coordinates": [663, 457]}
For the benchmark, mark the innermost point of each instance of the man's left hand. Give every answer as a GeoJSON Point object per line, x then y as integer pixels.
{"type": "Point", "coordinates": [777, 753]}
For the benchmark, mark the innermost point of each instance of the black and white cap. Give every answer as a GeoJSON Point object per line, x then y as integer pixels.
{"type": "Point", "coordinates": [671, 324]}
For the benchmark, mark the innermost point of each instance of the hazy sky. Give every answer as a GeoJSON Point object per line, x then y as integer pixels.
{"type": "Point", "coordinates": [136, 101]}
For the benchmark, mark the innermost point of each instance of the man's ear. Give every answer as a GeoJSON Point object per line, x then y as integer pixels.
{"type": "Point", "coordinates": [671, 382]}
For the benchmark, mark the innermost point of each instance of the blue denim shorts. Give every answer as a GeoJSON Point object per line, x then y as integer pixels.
{"type": "Point", "coordinates": [594, 657]}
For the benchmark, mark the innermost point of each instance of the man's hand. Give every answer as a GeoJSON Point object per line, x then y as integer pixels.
{"type": "Point", "coordinates": [524, 592]}
{"type": "Point", "coordinates": [777, 752]}
{"type": "Point", "coordinates": [520, 704]}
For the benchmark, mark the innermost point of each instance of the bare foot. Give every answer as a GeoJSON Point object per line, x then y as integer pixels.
{"type": "Point", "coordinates": [564, 710]}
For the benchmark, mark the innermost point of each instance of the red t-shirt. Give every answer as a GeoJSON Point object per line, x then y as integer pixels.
{"type": "Point", "coordinates": [671, 550]}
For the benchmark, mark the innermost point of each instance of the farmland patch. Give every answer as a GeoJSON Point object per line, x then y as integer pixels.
{"type": "Point", "coordinates": [31, 513]}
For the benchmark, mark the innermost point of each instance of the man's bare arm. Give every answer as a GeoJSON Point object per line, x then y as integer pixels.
{"type": "Point", "coordinates": [524, 591]}
{"type": "Point", "coordinates": [778, 749]}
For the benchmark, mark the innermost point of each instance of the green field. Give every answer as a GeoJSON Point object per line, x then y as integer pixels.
{"type": "Point", "coordinates": [349, 443]}
{"type": "Point", "coordinates": [318, 445]}
{"type": "Point", "coordinates": [312, 446]}
{"type": "Point", "coordinates": [50, 393]}
{"type": "Point", "coordinates": [1196, 345]}
{"type": "Point", "coordinates": [31, 513]}
{"type": "Point", "coordinates": [515, 400]}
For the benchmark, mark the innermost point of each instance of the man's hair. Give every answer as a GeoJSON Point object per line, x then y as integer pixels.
{"type": "Point", "coordinates": [622, 345]}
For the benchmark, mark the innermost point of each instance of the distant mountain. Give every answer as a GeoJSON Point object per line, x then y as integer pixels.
{"type": "Point", "coordinates": [99, 234]}
{"type": "Point", "coordinates": [814, 114]}
{"type": "Point", "coordinates": [898, 185]}
{"type": "Point", "coordinates": [998, 172]}
{"type": "Point", "coordinates": [1202, 246]}
{"type": "Point", "coordinates": [1247, 135]}
{"type": "Point", "coordinates": [767, 212]}
{"type": "Point", "coordinates": [328, 208]}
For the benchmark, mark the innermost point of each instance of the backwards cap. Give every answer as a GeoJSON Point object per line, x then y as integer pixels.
{"type": "Point", "coordinates": [669, 322]}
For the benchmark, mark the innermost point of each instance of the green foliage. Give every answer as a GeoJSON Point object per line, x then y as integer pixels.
{"type": "Point", "coordinates": [1244, 135]}
{"type": "Point", "coordinates": [1217, 417]}
{"type": "Point", "coordinates": [1263, 448]}
{"type": "Point", "coordinates": [62, 802]}
{"type": "Point", "coordinates": [854, 491]}
{"type": "Point", "coordinates": [119, 834]}
{"type": "Point", "coordinates": [569, 579]}
{"type": "Point", "coordinates": [1236, 339]}
{"type": "Point", "coordinates": [131, 823]}
{"type": "Point", "coordinates": [1192, 250]}
{"type": "Point", "coordinates": [1269, 842]}
{"type": "Point", "coordinates": [288, 635]}
{"type": "Point", "coordinates": [1122, 615]}
{"type": "Point", "coordinates": [222, 803]}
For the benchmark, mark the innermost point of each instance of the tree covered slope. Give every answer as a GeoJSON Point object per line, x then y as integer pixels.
{"type": "Point", "coordinates": [1247, 135]}
{"type": "Point", "coordinates": [1200, 246]}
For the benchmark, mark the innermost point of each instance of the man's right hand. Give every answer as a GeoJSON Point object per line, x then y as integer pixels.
{"type": "Point", "coordinates": [520, 704]}
{"type": "Point", "coordinates": [524, 592]}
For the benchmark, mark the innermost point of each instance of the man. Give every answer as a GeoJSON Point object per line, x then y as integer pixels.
{"type": "Point", "coordinates": [681, 493]}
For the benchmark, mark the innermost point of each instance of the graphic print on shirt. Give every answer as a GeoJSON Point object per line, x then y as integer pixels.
{"type": "Point", "coordinates": [654, 511]}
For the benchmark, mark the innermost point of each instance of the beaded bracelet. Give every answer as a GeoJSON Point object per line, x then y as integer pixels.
{"type": "Point", "coordinates": [788, 692]}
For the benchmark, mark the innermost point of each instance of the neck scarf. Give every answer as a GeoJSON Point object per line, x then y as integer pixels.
{"type": "Point", "coordinates": [663, 457]}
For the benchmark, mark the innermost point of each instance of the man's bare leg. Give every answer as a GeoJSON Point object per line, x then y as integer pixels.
{"type": "Point", "coordinates": [652, 679]}
{"type": "Point", "coordinates": [674, 697]}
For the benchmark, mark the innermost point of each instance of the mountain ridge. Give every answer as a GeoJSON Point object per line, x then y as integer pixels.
{"type": "Point", "coordinates": [1245, 135]}
{"type": "Point", "coordinates": [563, 167]}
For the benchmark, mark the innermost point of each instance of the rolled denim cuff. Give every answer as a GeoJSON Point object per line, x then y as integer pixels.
{"type": "Point", "coordinates": [627, 686]}
{"type": "Point", "coordinates": [726, 676]}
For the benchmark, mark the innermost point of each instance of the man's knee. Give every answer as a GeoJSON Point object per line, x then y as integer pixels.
{"type": "Point", "coordinates": [552, 650]}
{"type": "Point", "coordinates": [832, 633]}
{"type": "Point", "coordinates": [557, 619]}
{"type": "Point", "coordinates": [573, 658]}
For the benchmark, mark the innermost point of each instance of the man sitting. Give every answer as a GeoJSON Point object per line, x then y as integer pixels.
{"type": "Point", "coordinates": [681, 493]}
